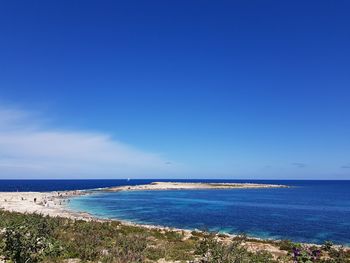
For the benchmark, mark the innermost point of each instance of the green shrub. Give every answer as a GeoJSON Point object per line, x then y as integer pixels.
{"type": "Point", "coordinates": [213, 251]}
{"type": "Point", "coordinates": [287, 245]}
{"type": "Point", "coordinates": [24, 243]}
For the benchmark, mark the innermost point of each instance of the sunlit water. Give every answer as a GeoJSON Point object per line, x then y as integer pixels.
{"type": "Point", "coordinates": [310, 211]}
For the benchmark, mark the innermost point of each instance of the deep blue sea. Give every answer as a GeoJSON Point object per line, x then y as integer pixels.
{"type": "Point", "coordinates": [310, 211]}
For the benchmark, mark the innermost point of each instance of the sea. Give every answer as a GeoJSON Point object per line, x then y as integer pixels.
{"type": "Point", "coordinates": [308, 211]}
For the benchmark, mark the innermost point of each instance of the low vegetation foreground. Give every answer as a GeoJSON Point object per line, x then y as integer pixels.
{"type": "Point", "coordinates": [29, 238]}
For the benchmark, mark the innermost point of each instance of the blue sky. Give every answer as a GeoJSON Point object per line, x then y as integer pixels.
{"type": "Point", "coordinates": [175, 89]}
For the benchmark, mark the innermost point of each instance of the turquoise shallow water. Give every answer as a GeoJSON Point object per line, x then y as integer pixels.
{"type": "Point", "coordinates": [311, 211]}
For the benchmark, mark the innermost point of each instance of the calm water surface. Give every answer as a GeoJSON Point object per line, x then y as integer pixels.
{"type": "Point", "coordinates": [310, 211]}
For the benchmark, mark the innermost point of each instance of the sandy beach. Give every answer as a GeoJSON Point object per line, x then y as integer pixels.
{"type": "Point", "coordinates": [45, 203]}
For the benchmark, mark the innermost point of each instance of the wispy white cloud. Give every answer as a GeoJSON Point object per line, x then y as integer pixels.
{"type": "Point", "coordinates": [29, 149]}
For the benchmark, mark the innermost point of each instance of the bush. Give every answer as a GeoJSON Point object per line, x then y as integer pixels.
{"type": "Point", "coordinates": [213, 251]}
{"type": "Point", "coordinates": [287, 245]}
{"type": "Point", "coordinates": [24, 243]}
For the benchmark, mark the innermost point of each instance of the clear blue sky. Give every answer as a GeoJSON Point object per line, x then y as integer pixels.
{"type": "Point", "coordinates": [231, 89]}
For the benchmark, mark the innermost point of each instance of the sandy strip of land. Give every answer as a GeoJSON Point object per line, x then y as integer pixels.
{"type": "Point", "coordinates": [192, 186]}
{"type": "Point", "coordinates": [44, 203]}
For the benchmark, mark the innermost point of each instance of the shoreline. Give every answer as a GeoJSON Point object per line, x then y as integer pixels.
{"type": "Point", "coordinates": [57, 209]}
{"type": "Point", "coordinates": [55, 204]}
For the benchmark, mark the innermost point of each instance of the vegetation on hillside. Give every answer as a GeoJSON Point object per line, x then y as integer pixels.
{"type": "Point", "coordinates": [34, 238]}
